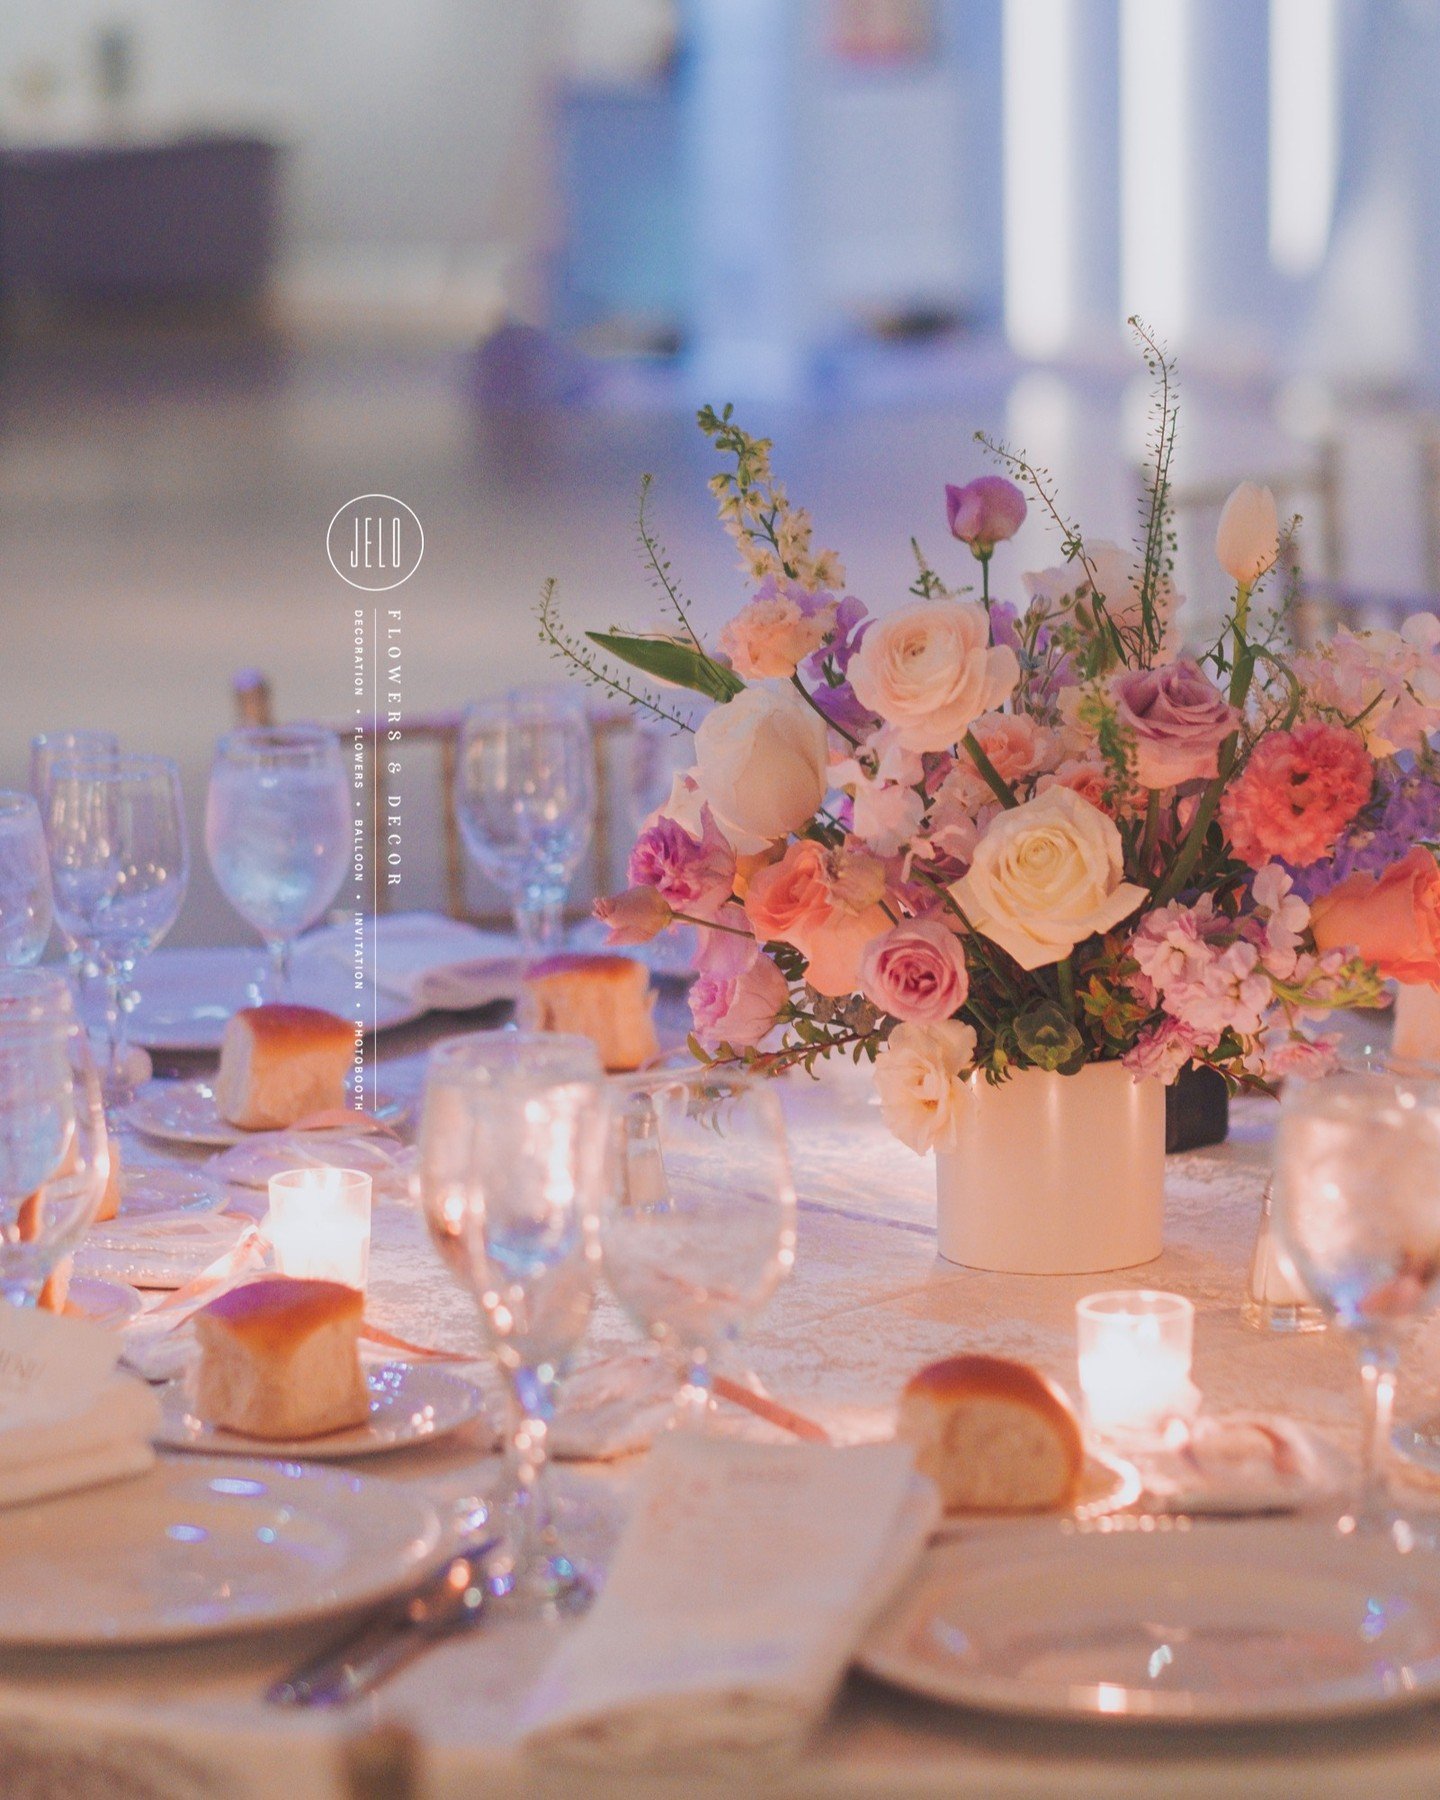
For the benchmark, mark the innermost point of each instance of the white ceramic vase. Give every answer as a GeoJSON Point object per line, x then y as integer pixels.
{"type": "Point", "coordinates": [1056, 1174]}
{"type": "Point", "coordinates": [1417, 1023]}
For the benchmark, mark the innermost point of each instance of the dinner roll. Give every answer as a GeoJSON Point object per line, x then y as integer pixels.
{"type": "Point", "coordinates": [281, 1063]}
{"type": "Point", "coordinates": [604, 998]}
{"type": "Point", "coordinates": [280, 1358]}
{"type": "Point", "coordinates": [993, 1435]}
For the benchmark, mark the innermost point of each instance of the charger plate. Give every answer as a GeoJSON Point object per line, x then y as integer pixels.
{"type": "Point", "coordinates": [1166, 1620]}
{"type": "Point", "coordinates": [202, 1548]}
{"type": "Point", "coordinates": [184, 1112]}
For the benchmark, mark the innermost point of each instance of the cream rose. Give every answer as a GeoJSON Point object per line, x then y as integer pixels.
{"type": "Point", "coordinates": [760, 762]}
{"type": "Point", "coordinates": [931, 671]}
{"type": "Point", "coordinates": [1044, 876]}
{"type": "Point", "coordinates": [920, 1078]}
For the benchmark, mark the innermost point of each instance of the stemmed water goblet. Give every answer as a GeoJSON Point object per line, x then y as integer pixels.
{"type": "Point", "coordinates": [27, 904]}
{"type": "Point", "coordinates": [1357, 1211]}
{"type": "Point", "coordinates": [119, 862]}
{"type": "Point", "coordinates": [50, 747]}
{"type": "Point", "coordinates": [699, 1226]}
{"type": "Point", "coordinates": [511, 1175]}
{"type": "Point", "coordinates": [525, 802]}
{"type": "Point", "coordinates": [54, 1152]}
{"type": "Point", "coordinates": [278, 832]}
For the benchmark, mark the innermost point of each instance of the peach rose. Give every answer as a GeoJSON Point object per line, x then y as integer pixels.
{"type": "Point", "coordinates": [931, 671]}
{"type": "Point", "coordinates": [1392, 921]}
{"type": "Point", "coordinates": [827, 907]}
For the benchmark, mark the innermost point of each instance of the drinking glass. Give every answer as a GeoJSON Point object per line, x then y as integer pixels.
{"type": "Point", "coordinates": [278, 832]}
{"type": "Point", "coordinates": [27, 904]}
{"type": "Point", "coordinates": [119, 862]}
{"type": "Point", "coordinates": [525, 802]}
{"type": "Point", "coordinates": [1357, 1210]}
{"type": "Point", "coordinates": [51, 747]}
{"type": "Point", "coordinates": [54, 1153]}
{"type": "Point", "coordinates": [511, 1173]}
{"type": "Point", "coordinates": [699, 1227]}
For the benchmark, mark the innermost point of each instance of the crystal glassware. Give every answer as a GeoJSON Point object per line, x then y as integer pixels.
{"type": "Point", "coordinates": [119, 862]}
{"type": "Point", "coordinates": [54, 1151]}
{"type": "Point", "coordinates": [279, 832]}
{"type": "Point", "coordinates": [699, 1225]}
{"type": "Point", "coordinates": [1275, 1297]}
{"type": "Point", "coordinates": [50, 747]}
{"type": "Point", "coordinates": [1357, 1212]}
{"type": "Point", "coordinates": [27, 904]}
{"type": "Point", "coordinates": [510, 1175]}
{"type": "Point", "coordinates": [525, 802]}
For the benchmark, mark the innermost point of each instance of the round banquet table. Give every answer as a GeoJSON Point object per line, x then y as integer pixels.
{"type": "Point", "coordinates": [868, 1302]}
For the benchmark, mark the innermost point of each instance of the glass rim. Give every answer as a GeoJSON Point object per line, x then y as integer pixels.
{"type": "Point", "coordinates": [642, 1079]}
{"type": "Point", "coordinates": [344, 1182]}
{"type": "Point", "coordinates": [1143, 1303]}
{"type": "Point", "coordinates": [17, 803]}
{"type": "Point", "coordinates": [28, 995]}
{"type": "Point", "coordinates": [123, 765]}
{"type": "Point", "coordinates": [454, 1054]}
{"type": "Point", "coordinates": [1379, 1087]}
{"type": "Point", "coordinates": [522, 706]}
{"type": "Point", "coordinates": [257, 743]}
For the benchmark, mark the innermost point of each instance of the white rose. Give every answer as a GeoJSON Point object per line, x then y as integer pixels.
{"type": "Point", "coordinates": [1247, 539]}
{"type": "Point", "coordinates": [931, 671]}
{"type": "Point", "coordinates": [920, 1078]}
{"type": "Point", "coordinates": [760, 762]}
{"type": "Point", "coordinates": [1044, 876]}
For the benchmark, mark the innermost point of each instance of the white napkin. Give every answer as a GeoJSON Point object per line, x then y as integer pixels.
{"type": "Point", "coordinates": [746, 1576]}
{"type": "Point", "coordinates": [251, 1164]}
{"type": "Point", "coordinates": [426, 959]}
{"type": "Point", "coordinates": [67, 1420]}
{"type": "Point", "coordinates": [1242, 1463]}
{"type": "Point", "coordinates": [163, 1255]}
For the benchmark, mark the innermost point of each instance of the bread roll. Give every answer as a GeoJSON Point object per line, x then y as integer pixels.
{"type": "Point", "coordinates": [281, 1359]}
{"type": "Point", "coordinates": [279, 1064]}
{"type": "Point", "coordinates": [992, 1435]}
{"type": "Point", "coordinates": [604, 998]}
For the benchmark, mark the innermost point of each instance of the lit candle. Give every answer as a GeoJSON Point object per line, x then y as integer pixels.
{"type": "Point", "coordinates": [1134, 1351]}
{"type": "Point", "coordinates": [319, 1224]}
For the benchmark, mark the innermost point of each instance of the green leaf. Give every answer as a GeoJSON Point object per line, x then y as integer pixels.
{"type": "Point", "coordinates": [667, 660]}
{"type": "Point", "coordinates": [1049, 1039]}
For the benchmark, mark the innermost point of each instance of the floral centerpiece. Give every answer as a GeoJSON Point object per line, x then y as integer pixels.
{"type": "Point", "coordinates": [980, 839]}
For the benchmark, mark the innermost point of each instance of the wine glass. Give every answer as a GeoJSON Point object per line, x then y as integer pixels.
{"type": "Point", "coordinates": [27, 904]}
{"type": "Point", "coordinates": [278, 832]}
{"type": "Point", "coordinates": [119, 862]}
{"type": "Point", "coordinates": [1357, 1210]}
{"type": "Point", "coordinates": [54, 1153]}
{"type": "Point", "coordinates": [50, 747]}
{"type": "Point", "coordinates": [511, 1171]}
{"type": "Point", "coordinates": [699, 1227]}
{"type": "Point", "coordinates": [525, 802]}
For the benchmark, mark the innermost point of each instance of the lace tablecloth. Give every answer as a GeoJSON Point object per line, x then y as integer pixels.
{"type": "Point", "coordinates": [868, 1303]}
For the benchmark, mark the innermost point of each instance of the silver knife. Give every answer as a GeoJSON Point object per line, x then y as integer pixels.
{"type": "Point", "coordinates": [450, 1599]}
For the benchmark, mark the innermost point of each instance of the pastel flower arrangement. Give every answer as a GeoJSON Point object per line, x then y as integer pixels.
{"type": "Point", "coordinates": [965, 836]}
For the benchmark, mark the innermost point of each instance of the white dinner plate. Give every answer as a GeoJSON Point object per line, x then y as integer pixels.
{"type": "Point", "coordinates": [201, 1548]}
{"type": "Point", "coordinates": [184, 1112]}
{"type": "Point", "coordinates": [186, 996]}
{"type": "Point", "coordinates": [112, 1303]}
{"type": "Point", "coordinates": [156, 1196]}
{"type": "Point", "coordinates": [1205, 1622]}
{"type": "Point", "coordinates": [408, 1405]}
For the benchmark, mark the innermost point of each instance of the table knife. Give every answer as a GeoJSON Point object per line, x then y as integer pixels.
{"type": "Point", "coordinates": [450, 1599]}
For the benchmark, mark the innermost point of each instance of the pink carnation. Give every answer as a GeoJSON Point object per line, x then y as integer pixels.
{"type": "Point", "coordinates": [1299, 791]}
{"type": "Point", "coordinates": [738, 1010]}
{"type": "Point", "coordinates": [1162, 1051]}
{"type": "Point", "coordinates": [915, 972]}
{"type": "Point", "coordinates": [695, 875]}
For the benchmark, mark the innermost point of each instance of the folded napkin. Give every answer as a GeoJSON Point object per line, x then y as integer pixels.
{"type": "Point", "coordinates": [425, 959]}
{"type": "Point", "coordinates": [165, 1254]}
{"type": "Point", "coordinates": [251, 1164]}
{"type": "Point", "coordinates": [1242, 1463]}
{"type": "Point", "coordinates": [745, 1578]}
{"type": "Point", "coordinates": [67, 1420]}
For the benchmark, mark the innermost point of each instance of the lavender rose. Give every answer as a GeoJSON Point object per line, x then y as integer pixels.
{"type": "Point", "coordinates": [1179, 720]}
{"type": "Point", "coordinates": [915, 972]}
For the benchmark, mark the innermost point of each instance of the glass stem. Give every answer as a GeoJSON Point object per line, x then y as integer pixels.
{"type": "Point", "coordinates": [698, 1392]}
{"type": "Point", "coordinates": [117, 1081]}
{"type": "Point", "coordinates": [529, 1449]}
{"type": "Point", "coordinates": [1377, 1373]}
{"type": "Point", "coordinates": [279, 949]}
{"type": "Point", "coordinates": [540, 922]}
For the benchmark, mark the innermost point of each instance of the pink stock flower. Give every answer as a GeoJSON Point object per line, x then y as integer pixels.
{"type": "Point", "coordinates": [1162, 1051]}
{"type": "Point", "coordinates": [915, 972]}
{"type": "Point", "coordinates": [1305, 1059]}
{"type": "Point", "coordinates": [779, 628]}
{"type": "Point", "coordinates": [1209, 985]}
{"type": "Point", "coordinates": [1297, 793]}
{"type": "Point", "coordinates": [985, 512]}
{"type": "Point", "coordinates": [635, 916]}
{"type": "Point", "coordinates": [1178, 720]}
{"type": "Point", "coordinates": [1387, 681]}
{"type": "Point", "coordinates": [695, 875]}
{"type": "Point", "coordinates": [738, 1010]}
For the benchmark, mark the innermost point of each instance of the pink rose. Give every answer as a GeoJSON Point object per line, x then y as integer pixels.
{"type": "Point", "coordinates": [1178, 719]}
{"type": "Point", "coordinates": [695, 875]}
{"type": "Point", "coordinates": [826, 905]}
{"type": "Point", "coordinates": [931, 670]}
{"type": "Point", "coordinates": [985, 512]}
{"type": "Point", "coordinates": [1392, 921]}
{"type": "Point", "coordinates": [738, 1010]}
{"type": "Point", "coordinates": [1016, 747]}
{"type": "Point", "coordinates": [635, 916]}
{"type": "Point", "coordinates": [915, 972]}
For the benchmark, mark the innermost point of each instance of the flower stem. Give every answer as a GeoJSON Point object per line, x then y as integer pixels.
{"type": "Point", "coordinates": [994, 780]}
{"type": "Point", "coordinates": [815, 706]}
{"type": "Point", "coordinates": [1065, 974]}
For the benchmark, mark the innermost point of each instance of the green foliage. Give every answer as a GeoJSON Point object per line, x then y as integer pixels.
{"type": "Point", "coordinates": [1050, 1040]}
{"type": "Point", "coordinates": [668, 659]}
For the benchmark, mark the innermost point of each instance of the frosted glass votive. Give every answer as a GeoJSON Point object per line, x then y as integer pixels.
{"type": "Point", "coordinates": [319, 1225]}
{"type": "Point", "coordinates": [1134, 1348]}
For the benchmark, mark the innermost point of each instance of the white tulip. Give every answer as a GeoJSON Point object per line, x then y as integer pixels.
{"type": "Point", "coordinates": [1247, 540]}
